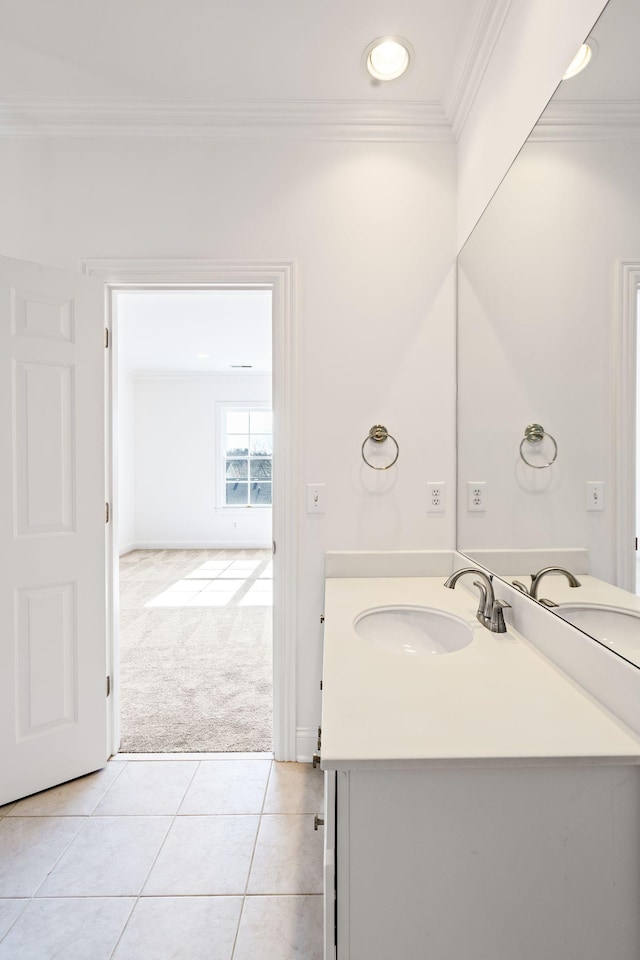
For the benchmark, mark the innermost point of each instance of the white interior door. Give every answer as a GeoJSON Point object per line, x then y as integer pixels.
{"type": "Point", "coordinates": [52, 528]}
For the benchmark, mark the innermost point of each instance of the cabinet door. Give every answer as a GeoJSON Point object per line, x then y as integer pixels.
{"type": "Point", "coordinates": [329, 865]}
{"type": "Point", "coordinates": [343, 856]}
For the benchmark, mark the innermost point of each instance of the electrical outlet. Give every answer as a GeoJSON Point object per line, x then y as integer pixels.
{"type": "Point", "coordinates": [476, 496]}
{"type": "Point", "coordinates": [595, 494]}
{"type": "Point", "coordinates": [435, 497]}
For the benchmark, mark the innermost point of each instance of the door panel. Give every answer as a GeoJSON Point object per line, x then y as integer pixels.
{"type": "Point", "coordinates": [52, 528]}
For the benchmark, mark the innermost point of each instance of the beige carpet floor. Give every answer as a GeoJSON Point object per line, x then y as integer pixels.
{"type": "Point", "coordinates": [195, 651]}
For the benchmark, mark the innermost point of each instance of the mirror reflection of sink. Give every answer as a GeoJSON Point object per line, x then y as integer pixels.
{"type": "Point", "coordinates": [414, 631]}
{"type": "Point", "coordinates": [618, 627]}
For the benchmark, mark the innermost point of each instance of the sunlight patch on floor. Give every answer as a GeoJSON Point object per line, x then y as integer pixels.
{"type": "Point", "coordinates": [215, 583]}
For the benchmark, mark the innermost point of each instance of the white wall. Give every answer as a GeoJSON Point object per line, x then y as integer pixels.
{"type": "Point", "coordinates": [536, 343]}
{"type": "Point", "coordinates": [371, 228]}
{"type": "Point", "coordinates": [176, 463]}
{"type": "Point", "coordinates": [538, 41]}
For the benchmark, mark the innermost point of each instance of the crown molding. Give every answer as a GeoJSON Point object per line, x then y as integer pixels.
{"type": "Point", "coordinates": [189, 375]}
{"type": "Point", "coordinates": [404, 121]}
{"type": "Point", "coordinates": [173, 272]}
{"type": "Point", "coordinates": [482, 36]}
{"type": "Point", "coordinates": [588, 120]}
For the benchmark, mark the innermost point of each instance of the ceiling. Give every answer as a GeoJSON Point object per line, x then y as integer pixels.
{"type": "Point", "coordinates": [233, 52]}
{"type": "Point", "coordinates": [163, 332]}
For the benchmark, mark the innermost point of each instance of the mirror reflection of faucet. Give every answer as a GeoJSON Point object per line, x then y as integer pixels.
{"type": "Point", "coordinates": [535, 583]}
{"type": "Point", "coordinates": [490, 611]}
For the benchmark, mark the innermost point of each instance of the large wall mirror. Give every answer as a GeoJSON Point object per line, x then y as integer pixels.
{"type": "Point", "coordinates": [547, 295]}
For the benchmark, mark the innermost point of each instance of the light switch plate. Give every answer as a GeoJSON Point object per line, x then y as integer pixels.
{"type": "Point", "coordinates": [595, 494]}
{"type": "Point", "coordinates": [316, 493]}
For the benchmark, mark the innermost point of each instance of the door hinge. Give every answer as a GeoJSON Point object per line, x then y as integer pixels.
{"type": "Point", "coordinates": [107, 513]}
{"type": "Point", "coordinates": [108, 686]}
{"type": "Point", "coordinates": [636, 543]}
{"type": "Point", "coordinates": [106, 337]}
{"type": "Point", "coordinates": [274, 547]}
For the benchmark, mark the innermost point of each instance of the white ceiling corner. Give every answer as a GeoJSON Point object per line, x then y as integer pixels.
{"type": "Point", "coordinates": [473, 58]}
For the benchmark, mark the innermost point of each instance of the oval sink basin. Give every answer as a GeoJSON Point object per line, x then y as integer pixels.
{"type": "Point", "coordinates": [413, 631]}
{"type": "Point", "coordinates": [618, 627]}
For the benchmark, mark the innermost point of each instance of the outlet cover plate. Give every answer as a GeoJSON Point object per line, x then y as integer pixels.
{"type": "Point", "coordinates": [476, 496]}
{"type": "Point", "coordinates": [436, 493]}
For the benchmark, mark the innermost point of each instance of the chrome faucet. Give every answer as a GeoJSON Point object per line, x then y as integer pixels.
{"type": "Point", "coordinates": [537, 577]}
{"type": "Point", "coordinates": [490, 610]}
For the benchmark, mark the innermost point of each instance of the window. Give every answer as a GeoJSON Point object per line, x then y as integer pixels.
{"type": "Point", "coordinates": [247, 450]}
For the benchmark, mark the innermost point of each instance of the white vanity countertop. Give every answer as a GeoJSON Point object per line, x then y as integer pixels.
{"type": "Point", "coordinates": [497, 699]}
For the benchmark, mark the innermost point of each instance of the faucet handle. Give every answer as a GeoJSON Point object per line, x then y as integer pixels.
{"type": "Point", "coordinates": [520, 586]}
{"type": "Point", "coordinates": [497, 617]}
{"type": "Point", "coordinates": [485, 606]}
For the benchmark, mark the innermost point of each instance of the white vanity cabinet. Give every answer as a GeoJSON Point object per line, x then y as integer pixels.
{"type": "Point", "coordinates": [484, 863]}
{"type": "Point", "coordinates": [479, 805]}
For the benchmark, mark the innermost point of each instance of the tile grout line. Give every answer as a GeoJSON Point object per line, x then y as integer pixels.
{"type": "Point", "coordinates": [115, 779]}
{"type": "Point", "coordinates": [17, 917]}
{"type": "Point", "coordinates": [58, 859]}
{"type": "Point", "coordinates": [187, 788]}
{"type": "Point", "coordinates": [86, 819]}
{"type": "Point", "coordinates": [33, 897]}
{"type": "Point", "coordinates": [253, 853]}
{"type": "Point", "coordinates": [138, 897]}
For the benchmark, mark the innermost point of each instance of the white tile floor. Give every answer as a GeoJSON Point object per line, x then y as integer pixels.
{"type": "Point", "coordinates": [201, 859]}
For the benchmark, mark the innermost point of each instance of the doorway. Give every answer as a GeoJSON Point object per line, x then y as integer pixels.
{"type": "Point", "coordinates": [278, 278]}
{"type": "Point", "coordinates": [194, 499]}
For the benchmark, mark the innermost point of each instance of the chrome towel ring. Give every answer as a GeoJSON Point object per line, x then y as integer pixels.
{"type": "Point", "coordinates": [378, 434]}
{"type": "Point", "coordinates": [533, 434]}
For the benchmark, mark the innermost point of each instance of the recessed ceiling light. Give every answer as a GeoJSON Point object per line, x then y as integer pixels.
{"type": "Point", "coordinates": [582, 59]}
{"type": "Point", "coordinates": [387, 58]}
{"type": "Point", "coordinates": [202, 356]}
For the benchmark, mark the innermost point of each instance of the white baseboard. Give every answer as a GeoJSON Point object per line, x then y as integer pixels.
{"type": "Point", "coordinates": [306, 744]}
{"type": "Point", "coordinates": [126, 548]}
{"type": "Point", "coordinates": [197, 545]}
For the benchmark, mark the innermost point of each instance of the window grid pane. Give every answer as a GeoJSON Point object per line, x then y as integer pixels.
{"type": "Point", "coordinates": [237, 469]}
{"type": "Point", "coordinates": [261, 445]}
{"type": "Point", "coordinates": [237, 444]}
{"type": "Point", "coordinates": [236, 494]}
{"type": "Point", "coordinates": [237, 421]}
{"type": "Point", "coordinates": [260, 421]}
{"type": "Point", "coordinates": [261, 494]}
{"type": "Point", "coordinates": [248, 451]}
{"type": "Point", "coordinates": [260, 469]}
